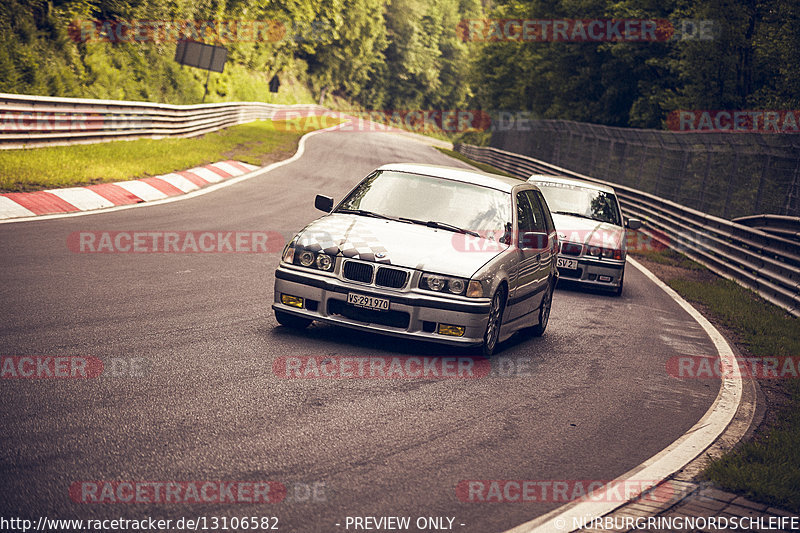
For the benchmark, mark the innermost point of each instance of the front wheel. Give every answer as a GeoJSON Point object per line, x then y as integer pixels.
{"type": "Point", "coordinates": [292, 321]}
{"type": "Point", "coordinates": [496, 310]}
{"type": "Point", "coordinates": [618, 290]}
{"type": "Point", "coordinates": [544, 312]}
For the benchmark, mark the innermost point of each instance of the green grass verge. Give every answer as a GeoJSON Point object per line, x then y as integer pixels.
{"type": "Point", "coordinates": [767, 468]}
{"type": "Point", "coordinates": [670, 258]}
{"type": "Point", "coordinates": [481, 166]}
{"type": "Point", "coordinates": [33, 169]}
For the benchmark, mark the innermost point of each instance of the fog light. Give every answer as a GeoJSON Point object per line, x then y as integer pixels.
{"type": "Point", "coordinates": [453, 331]}
{"type": "Point", "coordinates": [293, 301]}
{"type": "Point", "coordinates": [604, 278]}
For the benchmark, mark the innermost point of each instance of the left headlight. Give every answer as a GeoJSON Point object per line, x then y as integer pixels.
{"type": "Point", "coordinates": [445, 284]}
{"type": "Point", "coordinates": [309, 259]}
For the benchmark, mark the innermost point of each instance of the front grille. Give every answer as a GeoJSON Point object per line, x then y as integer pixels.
{"type": "Point", "coordinates": [391, 318]}
{"type": "Point", "coordinates": [358, 272]}
{"type": "Point", "coordinates": [570, 248]}
{"type": "Point", "coordinates": [391, 277]}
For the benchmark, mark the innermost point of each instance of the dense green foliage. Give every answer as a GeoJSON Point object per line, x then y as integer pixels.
{"type": "Point", "coordinates": [404, 54]}
{"type": "Point", "coordinates": [409, 54]}
{"type": "Point", "coordinates": [750, 63]}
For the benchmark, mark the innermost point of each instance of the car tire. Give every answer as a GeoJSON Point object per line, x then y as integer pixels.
{"type": "Point", "coordinates": [618, 290]}
{"type": "Point", "coordinates": [544, 312]}
{"type": "Point", "coordinates": [292, 321]}
{"type": "Point", "coordinates": [495, 322]}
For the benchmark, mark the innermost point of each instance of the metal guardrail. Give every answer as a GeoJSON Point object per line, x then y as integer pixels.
{"type": "Point", "coordinates": [784, 226]}
{"type": "Point", "coordinates": [766, 263]}
{"type": "Point", "coordinates": [721, 173]}
{"type": "Point", "coordinates": [34, 121]}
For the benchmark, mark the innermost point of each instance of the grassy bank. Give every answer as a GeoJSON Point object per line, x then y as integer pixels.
{"type": "Point", "coordinates": [259, 143]}
{"type": "Point", "coordinates": [767, 468]}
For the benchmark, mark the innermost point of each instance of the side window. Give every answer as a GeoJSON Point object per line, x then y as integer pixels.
{"type": "Point", "coordinates": [527, 201]}
{"type": "Point", "coordinates": [525, 217]}
{"type": "Point", "coordinates": [548, 220]}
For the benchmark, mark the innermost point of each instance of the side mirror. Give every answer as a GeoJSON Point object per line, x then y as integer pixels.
{"type": "Point", "coordinates": [323, 203]}
{"type": "Point", "coordinates": [633, 223]}
{"type": "Point", "coordinates": [533, 240]}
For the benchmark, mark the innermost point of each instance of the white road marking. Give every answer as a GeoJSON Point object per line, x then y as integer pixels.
{"type": "Point", "coordinates": [179, 182]}
{"type": "Point", "coordinates": [10, 208]}
{"type": "Point", "coordinates": [230, 169]}
{"type": "Point", "coordinates": [82, 198]}
{"type": "Point", "coordinates": [208, 175]}
{"type": "Point", "coordinates": [672, 458]}
{"type": "Point", "coordinates": [146, 192]}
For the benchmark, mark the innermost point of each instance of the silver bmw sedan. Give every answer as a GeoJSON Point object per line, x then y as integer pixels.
{"type": "Point", "coordinates": [591, 229]}
{"type": "Point", "coordinates": [427, 252]}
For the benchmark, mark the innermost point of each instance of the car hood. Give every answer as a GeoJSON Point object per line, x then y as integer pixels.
{"type": "Point", "coordinates": [399, 243]}
{"type": "Point", "coordinates": [589, 232]}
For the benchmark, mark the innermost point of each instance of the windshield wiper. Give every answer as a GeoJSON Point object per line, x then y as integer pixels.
{"type": "Point", "coordinates": [364, 212]}
{"type": "Point", "coordinates": [440, 225]}
{"type": "Point", "coordinates": [570, 213]}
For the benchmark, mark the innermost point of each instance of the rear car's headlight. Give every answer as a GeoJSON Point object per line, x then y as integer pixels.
{"type": "Point", "coordinates": [435, 282]}
{"type": "Point", "coordinates": [611, 253]}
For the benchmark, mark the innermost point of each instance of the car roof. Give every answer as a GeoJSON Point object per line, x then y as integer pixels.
{"type": "Point", "coordinates": [572, 181]}
{"type": "Point", "coordinates": [494, 181]}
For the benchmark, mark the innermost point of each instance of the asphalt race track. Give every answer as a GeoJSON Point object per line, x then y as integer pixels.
{"type": "Point", "coordinates": [588, 401]}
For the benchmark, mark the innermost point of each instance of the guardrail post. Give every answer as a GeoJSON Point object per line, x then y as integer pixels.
{"type": "Point", "coordinates": [703, 183]}
{"type": "Point", "coordinates": [794, 190]}
{"type": "Point", "coordinates": [731, 179]}
{"type": "Point", "coordinates": [761, 182]}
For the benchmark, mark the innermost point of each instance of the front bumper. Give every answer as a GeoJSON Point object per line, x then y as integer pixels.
{"type": "Point", "coordinates": [410, 314]}
{"type": "Point", "coordinates": [602, 273]}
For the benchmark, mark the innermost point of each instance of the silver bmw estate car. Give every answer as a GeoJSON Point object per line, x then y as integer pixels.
{"type": "Point", "coordinates": [427, 252]}
{"type": "Point", "coordinates": [591, 230]}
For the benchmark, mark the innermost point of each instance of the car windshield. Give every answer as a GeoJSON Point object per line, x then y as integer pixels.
{"type": "Point", "coordinates": [424, 199]}
{"type": "Point", "coordinates": [567, 199]}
